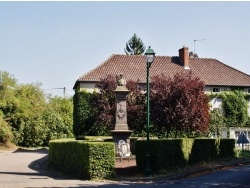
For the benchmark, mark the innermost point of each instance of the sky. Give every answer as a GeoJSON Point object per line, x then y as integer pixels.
{"type": "Point", "coordinates": [54, 43]}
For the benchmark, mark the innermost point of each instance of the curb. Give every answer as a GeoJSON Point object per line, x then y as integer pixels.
{"type": "Point", "coordinates": [208, 169]}
{"type": "Point", "coordinates": [188, 173]}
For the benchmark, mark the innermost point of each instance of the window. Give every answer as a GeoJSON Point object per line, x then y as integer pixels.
{"type": "Point", "coordinates": [216, 90]}
{"type": "Point", "coordinates": [248, 90]}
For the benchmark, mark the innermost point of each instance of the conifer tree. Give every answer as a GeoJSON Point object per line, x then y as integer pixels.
{"type": "Point", "coordinates": [134, 46]}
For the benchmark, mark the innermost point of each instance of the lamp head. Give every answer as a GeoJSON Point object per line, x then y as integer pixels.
{"type": "Point", "coordinates": [150, 55]}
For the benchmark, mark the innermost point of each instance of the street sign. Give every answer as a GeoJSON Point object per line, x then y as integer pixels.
{"type": "Point", "coordinates": [242, 139]}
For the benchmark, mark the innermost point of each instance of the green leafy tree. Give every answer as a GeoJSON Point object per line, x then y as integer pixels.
{"type": "Point", "coordinates": [30, 106]}
{"type": "Point", "coordinates": [33, 132]}
{"type": "Point", "coordinates": [58, 118]}
{"type": "Point", "coordinates": [8, 100]}
{"type": "Point", "coordinates": [31, 116]}
{"type": "Point", "coordinates": [134, 46]}
{"type": "Point", "coordinates": [6, 134]}
{"type": "Point", "coordinates": [235, 107]}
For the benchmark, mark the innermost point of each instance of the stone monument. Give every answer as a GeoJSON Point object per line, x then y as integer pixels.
{"type": "Point", "coordinates": [121, 131]}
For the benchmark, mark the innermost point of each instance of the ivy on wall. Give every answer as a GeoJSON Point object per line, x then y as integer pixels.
{"type": "Point", "coordinates": [235, 105]}
{"type": "Point", "coordinates": [216, 122]}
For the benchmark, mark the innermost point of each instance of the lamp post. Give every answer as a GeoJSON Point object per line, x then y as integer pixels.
{"type": "Point", "coordinates": [150, 55]}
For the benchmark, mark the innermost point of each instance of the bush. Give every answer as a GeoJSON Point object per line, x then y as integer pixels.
{"type": "Point", "coordinates": [227, 148]}
{"type": "Point", "coordinates": [33, 132]}
{"type": "Point", "coordinates": [169, 153]}
{"type": "Point", "coordinates": [87, 160]}
{"type": "Point", "coordinates": [165, 153]}
{"type": "Point", "coordinates": [204, 150]}
{"type": "Point", "coordinates": [83, 114]}
{"type": "Point", "coordinates": [6, 134]}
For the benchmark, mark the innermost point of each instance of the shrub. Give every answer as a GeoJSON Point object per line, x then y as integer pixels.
{"type": "Point", "coordinates": [87, 160]}
{"type": "Point", "coordinates": [204, 150]}
{"type": "Point", "coordinates": [169, 153]}
{"type": "Point", "coordinates": [227, 148]}
{"type": "Point", "coordinates": [6, 134]}
{"type": "Point", "coordinates": [164, 153]}
{"type": "Point", "coordinates": [235, 107]}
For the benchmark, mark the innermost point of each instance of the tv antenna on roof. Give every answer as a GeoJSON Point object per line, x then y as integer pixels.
{"type": "Point", "coordinates": [195, 41]}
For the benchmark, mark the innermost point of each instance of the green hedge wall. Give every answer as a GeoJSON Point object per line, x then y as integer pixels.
{"type": "Point", "coordinates": [204, 149]}
{"type": "Point", "coordinates": [169, 153]}
{"type": "Point", "coordinates": [83, 113]}
{"type": "Point", "coordinates": [164, 153]}
{"type": "Point", "coordinates": [87, 160]}
{"type": "Point", "coordinates": [227, 148]}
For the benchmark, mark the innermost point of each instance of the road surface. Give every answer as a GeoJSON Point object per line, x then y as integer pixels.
{"type": "Point", "coordinates": [28, 168]}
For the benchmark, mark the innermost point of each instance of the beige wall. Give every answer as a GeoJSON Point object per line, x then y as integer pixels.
{"type": "Point", "coordinates": [89, 87]}
{"type": "Point", "coordinates": [209, 89]}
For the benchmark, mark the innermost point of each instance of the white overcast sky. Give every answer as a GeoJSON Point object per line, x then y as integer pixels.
{"type": "Point", "coordinates": [54, 43]}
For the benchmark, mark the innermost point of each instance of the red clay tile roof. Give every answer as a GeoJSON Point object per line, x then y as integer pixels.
{"type": "Point", "coordinates": [133, 67]}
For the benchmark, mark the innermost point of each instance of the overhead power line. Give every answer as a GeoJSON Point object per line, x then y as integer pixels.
{"type": "Point", "coordinates": [64, 90]}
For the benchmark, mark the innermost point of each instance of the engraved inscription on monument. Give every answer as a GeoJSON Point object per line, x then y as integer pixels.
{"type": "Point", "coordinates": [120, 112]}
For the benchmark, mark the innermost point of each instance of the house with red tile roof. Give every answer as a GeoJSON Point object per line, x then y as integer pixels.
{"type": "Point", "coordinates": [216, 75]}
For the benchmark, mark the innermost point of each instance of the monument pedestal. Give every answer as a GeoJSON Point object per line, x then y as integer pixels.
{"type": "Point", "coordinates": [121, 135]}
{"type": "Point", "coordinates": [121, 131]}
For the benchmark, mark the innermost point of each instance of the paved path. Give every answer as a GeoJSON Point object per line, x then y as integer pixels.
{"type": "Point", "coordinates": [28, 168]}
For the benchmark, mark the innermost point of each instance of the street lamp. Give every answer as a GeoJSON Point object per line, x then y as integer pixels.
{"type": "Point", "coordinates": [150, 55]}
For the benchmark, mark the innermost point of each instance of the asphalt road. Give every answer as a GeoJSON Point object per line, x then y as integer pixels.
{"type": "Point", "coordinates": [235, 177]}
{"type": "Point", "coordinates": [28, 168]}
{"type": "Point", "coordinates": [24, 168]}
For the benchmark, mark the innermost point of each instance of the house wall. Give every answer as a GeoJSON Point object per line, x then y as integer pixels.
{"type": "Point", "coordinates": [89, 87]}
{"type": "Point", "coordinates": [209, 89]}
{"type": "Point", "coordinates": [216, 103]}
{"type": "Point", "coordinates": [234, 132]}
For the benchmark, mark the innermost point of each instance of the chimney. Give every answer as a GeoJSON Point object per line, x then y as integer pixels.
{"type": "Point", "coordinates": [184, 57]}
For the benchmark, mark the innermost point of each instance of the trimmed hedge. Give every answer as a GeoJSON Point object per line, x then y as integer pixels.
{"type": "Point", "coordinates": [168, 153]}
{"type": "Point", "coordinates": [87, 160]}
{"type": "Point", "coordinates": [204, 149]}
{"type": "Point", "coordinates": [164, 153]}
{"type": "Point", "coordinates": [227, 148]}
{"type": "Point", "coordinates": [83, 113]}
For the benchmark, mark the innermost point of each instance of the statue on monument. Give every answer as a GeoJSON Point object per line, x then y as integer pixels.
{"type": "Point", "coordinates": [121, 81]}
